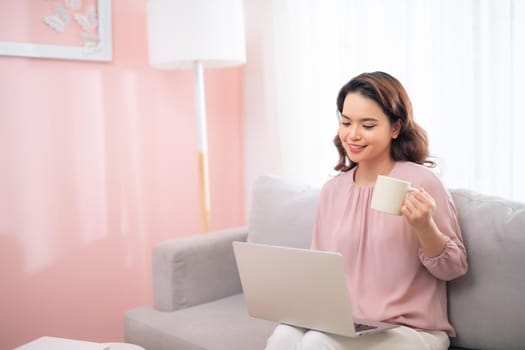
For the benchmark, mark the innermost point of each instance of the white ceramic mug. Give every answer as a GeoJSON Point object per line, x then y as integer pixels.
{"type": "Point", "coordinates": [389, 194]}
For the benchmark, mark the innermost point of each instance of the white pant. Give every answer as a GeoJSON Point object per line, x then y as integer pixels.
{"type": "Point", "coordinates": [286, 337]}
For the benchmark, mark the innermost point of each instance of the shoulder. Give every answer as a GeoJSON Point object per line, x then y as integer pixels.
{"type": "Point", "coordinates": [338, 182]}
{"type": "Point", "coordinates": [419, 176]}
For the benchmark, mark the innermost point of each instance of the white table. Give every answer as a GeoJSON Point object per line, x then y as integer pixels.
{"type": "Point", "coordinates": [53, 343]}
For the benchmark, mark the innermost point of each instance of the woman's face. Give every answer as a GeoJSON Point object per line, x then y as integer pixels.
{"type": "Point", "coordinates": [365, 131]}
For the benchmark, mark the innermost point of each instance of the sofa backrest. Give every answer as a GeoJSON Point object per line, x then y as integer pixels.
{"type": "Point", "coordinates": [486, 306]}
{"type": "Point", "coordinates": [282, 213]}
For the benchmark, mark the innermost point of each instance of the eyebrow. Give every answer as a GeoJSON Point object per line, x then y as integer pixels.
{"type": "Point", "coordinates": [364, 119]}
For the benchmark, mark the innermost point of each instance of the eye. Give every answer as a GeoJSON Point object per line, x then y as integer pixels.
{"type": "Point", "coordinates": [345, 124]}
{"type": "Point", "coordinates": [368, 126]}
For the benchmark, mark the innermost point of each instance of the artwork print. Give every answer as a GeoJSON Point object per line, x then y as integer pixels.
{"type": "Point", "coordinates": [69, 29]}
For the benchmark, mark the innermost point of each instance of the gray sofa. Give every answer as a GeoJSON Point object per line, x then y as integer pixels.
{"type": "Point", "coordinates": [198, 302]}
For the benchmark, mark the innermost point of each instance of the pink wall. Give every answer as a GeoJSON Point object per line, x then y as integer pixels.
{"type": "Point", "coordinates": [98, 163]}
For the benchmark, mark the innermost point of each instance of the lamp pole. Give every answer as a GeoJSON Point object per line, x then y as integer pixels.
{"type": "Point", "coordinates": [202, 139]}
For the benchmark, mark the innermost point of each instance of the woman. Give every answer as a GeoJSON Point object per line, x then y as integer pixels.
{"type": "Point", "coordinates": [396, 266]}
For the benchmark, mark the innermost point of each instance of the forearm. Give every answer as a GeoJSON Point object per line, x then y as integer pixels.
{"type": "Point", "coordinates": [431, 239]}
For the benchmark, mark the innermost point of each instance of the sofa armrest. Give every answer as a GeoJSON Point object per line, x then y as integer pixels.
{"type": "Point", "coordinates": [196, 269]}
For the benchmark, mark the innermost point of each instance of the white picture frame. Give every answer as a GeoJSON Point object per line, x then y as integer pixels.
{"type": "Point", "coordinates": [100, 52]}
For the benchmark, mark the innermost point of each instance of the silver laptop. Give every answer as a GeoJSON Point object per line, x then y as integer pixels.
{"type": "Point", "coordinates": [299, 287]}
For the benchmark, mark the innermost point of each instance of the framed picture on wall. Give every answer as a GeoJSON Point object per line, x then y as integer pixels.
{"type": "Point", "coordinates": [63, 29]}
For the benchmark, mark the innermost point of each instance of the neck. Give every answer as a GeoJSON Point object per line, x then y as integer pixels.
{"type": "Point", "coordinates": [366, 173]}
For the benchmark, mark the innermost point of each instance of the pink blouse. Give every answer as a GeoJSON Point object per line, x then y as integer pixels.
{"type": "Point", "coordinates": [389, 277]}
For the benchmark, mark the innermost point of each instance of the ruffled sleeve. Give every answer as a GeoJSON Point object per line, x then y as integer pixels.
{"type": "Point", "coordinates": [450, 264]}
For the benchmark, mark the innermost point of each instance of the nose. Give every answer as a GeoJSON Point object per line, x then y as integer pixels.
{"type": "Point", "coordinates": [353, 133]}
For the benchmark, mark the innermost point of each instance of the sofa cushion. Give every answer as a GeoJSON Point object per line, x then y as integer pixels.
{"type": "Point", "coordinates": [487, 305]}
{"type": "Point", "coordinates": [223, 324]}
{"type": "Point", "coordinates": [282, 212]}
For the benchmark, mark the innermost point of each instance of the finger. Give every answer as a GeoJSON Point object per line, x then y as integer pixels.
{"type": "Point", "coordinates": [418, 193]}
{"type": "Point", "coordinates": [421, 193]}
{"type": "Point", "coordinates": [424, 197]}
{"type": "Point", "coordinates": [411, 205]}
{"type": "Point", "coordinates": [410, 212]}
{"type": "Point", "coordinates": [419, 204]}
{"type": "Point", "coordinates": [418, 199]}
{"type": "Point", "coordinates": [406, 212]}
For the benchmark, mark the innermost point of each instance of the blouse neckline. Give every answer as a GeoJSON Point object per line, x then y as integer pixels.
{"type": "Point", "coordinates": [370, 187]}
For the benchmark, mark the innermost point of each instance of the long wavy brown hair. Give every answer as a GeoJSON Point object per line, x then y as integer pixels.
{"type": "Point", "coordinates": [412, 142]}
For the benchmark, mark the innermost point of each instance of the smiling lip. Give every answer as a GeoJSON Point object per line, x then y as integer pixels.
{"type": "Point", "coordinates": [356, 148]}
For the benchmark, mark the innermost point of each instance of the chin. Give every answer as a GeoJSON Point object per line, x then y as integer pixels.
{"type": "Point", "coordinates": [354, 159]}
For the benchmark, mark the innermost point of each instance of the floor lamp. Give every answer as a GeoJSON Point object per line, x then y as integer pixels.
{"type": "Point", "coordinates": [197, 34]}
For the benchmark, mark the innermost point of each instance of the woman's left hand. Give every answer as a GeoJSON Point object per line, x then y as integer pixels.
{"type": "Point", "coordinates": [418, 208]}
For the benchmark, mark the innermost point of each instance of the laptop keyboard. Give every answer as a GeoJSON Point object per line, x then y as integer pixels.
{"type": "Point", "coordinates": [362, 327]}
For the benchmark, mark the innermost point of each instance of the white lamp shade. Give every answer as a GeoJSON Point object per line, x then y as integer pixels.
{"type": "Point", "coordinates": [181, 32]}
